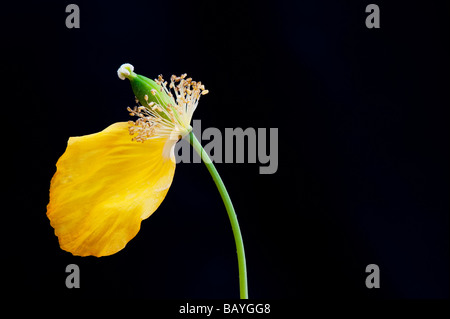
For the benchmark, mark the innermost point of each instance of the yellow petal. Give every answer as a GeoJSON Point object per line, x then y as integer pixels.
{"type": "Point", "coordinates": [105, 184]}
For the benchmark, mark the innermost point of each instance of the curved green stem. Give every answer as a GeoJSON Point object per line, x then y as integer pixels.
{"type": "Point", "coordinates": [231, 214]}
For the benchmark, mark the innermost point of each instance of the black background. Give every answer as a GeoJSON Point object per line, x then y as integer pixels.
{"type": "Point", "coordinates": [363, 145]}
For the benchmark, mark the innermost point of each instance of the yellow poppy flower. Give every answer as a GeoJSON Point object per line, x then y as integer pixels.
{"type": "Point", "coordinates": [108, 182]}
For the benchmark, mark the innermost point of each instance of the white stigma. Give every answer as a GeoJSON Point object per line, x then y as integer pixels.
{"type": "Point", "coordinates": [125, 71]}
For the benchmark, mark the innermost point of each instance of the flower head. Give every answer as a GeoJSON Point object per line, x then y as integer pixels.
{"type": "Point", "coordinates": [106, 183]}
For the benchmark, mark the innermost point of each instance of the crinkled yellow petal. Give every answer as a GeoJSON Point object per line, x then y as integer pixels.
{"type": "Point", "coordinates": [104, 186]}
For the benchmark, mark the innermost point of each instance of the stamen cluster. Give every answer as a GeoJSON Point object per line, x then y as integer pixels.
{"type": "Point", "coordinates": [162, 119]}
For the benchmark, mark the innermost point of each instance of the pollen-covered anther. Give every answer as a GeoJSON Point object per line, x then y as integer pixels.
{"type": "Point", "coordinates": [148, 125]}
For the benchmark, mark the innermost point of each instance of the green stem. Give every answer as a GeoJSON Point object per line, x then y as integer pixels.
{"type": "Point", "coordinates": [231, 214]}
